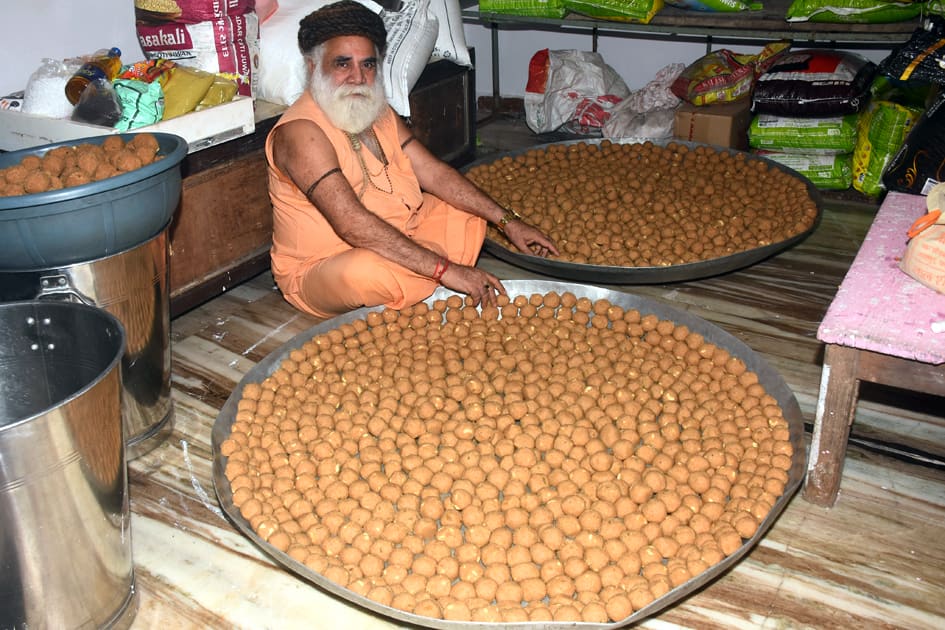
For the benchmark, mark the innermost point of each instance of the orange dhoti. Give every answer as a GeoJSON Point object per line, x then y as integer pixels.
{"type": "Point", "coordinates": [359, 277]}
{"type": "Point", "coordinates": [323, 275]}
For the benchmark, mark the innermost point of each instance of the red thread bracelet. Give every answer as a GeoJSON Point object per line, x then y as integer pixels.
{"type": "Point", "coordinates": [441, 266]}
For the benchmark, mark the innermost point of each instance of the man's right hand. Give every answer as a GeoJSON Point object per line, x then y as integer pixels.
{"type": "Point", "coordinates": [481, 286]}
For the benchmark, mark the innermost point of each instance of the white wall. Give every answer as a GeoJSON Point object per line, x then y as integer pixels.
{"type": "Point", "coordinates": [59, 29]}
{"type": "Point", "coordinates": [64, 28]}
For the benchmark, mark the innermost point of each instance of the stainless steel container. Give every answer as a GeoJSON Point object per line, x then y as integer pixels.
{"type": "Point", "coordinates": [132, 285]}
{"type": "Point", "coordinates": [65, 536]}
{"type": "Point", "coordinates": [772, 382]}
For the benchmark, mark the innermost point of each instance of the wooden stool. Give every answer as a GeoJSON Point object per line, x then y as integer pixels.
{"type": "Point", "coordinates": [878, 329]}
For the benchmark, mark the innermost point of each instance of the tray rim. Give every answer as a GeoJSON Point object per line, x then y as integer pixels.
{"type": "Point", "coordinates": [713, 333]}
{"type": "Point", "coordinates": [583, 272]}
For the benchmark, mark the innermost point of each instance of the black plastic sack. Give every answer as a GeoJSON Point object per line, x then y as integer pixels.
{"type": "Point", "coordinates": [922, 57]}
{"type": "Point", "coordinates": [814, 83]}
{"type": "Point", "coordinates": [920, 162]}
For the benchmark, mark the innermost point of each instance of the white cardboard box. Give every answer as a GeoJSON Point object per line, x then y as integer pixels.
{"type": "Point", "coordinates": [200, 129]}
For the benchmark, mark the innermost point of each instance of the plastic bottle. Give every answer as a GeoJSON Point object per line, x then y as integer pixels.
{"type": "Point", "coordinates": [105, 64]}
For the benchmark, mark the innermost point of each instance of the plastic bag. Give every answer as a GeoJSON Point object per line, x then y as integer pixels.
{"type": "Point", "coordinates": [920, 162]}
{"type": "Point", "coordinates": [922, 58]}
{"type": "Point", "coordinates": [640, 11]}
{"type": "Point", "coordinates": [924, 259]}
{"type": "Point", "coordinates": [532, 8]}
{"type": "Point", "coordinates": [789, 134]}
{"type": "Point", "coordinates": [148, 71]}
{"type": "Point", "coordinates": [648, 112]}
{"type": "Point", "coordinates": [723, 76]}
{"type": "Point", "coordinates": [881, 130]}
{"type": "Point", "coordinates": [184, 90]}
{"type": "Point", "coordinates": [12, 102]}
{"type": "Point", "coordinates": [826, 172]}
{"type": "Point", "coordinates": [715, 6]}
{"type": "Point", "coordinates": [266, 8]}
{"type": "Point", "coordinates": [814, 83]}
{"type": "Point", "coordinates": [98, 104]}
{"type": "Point", "coordinates": [853, 11]}
{"type": "Point", "coordinates": [571, 88]}
{"type": "Point", "coordinates": [45, 93]}
{"type": "Point", "coordinates": [142, 103]}
{"type": "Point", "coordinates": [222, 90]}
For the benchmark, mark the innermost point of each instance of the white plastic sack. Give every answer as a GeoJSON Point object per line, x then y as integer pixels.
{"type": "Point", "coordinates": [649, 112]}
{"type": "Point", "coordinates": [451, 38]}
{"type": "Point", "coordinates": [282, 74]}
{"type": "Point", "coordinates": [411, 37]}
{"type": "Point", "coordinates": [571, 87]}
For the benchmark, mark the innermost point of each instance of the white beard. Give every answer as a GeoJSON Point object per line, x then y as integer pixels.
{"type": "Point", "coordinates": [351, 108]}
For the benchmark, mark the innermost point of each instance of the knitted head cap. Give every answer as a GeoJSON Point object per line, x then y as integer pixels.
{"type": "Point", "coordinates": [341, 18]}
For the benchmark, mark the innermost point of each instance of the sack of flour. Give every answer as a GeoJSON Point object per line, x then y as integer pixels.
{"type": "Point", "coordinates": [228, 45]}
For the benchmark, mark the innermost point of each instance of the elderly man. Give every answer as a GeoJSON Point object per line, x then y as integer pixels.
{"type": "Point", "coordinates": [365, 215]}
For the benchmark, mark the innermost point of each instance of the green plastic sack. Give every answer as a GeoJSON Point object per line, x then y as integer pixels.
{"type": "Point", "coordinates": [531, 8]}
{"type": "Point", "coordinates": [881, 132]}
{"type": "Point", "coordinates": [826, 172]}
{"type": "Point", "coordinates": [825, 135]}
{"type": "Point", "coordinates": [141, 103]}
{"type": "Point", "coordinates": [853, 11]}
{"type": "Point", "coordinates": [640, 11]}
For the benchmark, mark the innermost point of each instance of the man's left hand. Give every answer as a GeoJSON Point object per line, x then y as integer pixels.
{"type": "Point", "coordinates": [529, 239]}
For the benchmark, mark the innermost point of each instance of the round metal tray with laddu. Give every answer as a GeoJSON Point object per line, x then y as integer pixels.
{"type": "Point", "coordinates": [606, 274]}
{"type": "Point", "coordinates": [767, 377]}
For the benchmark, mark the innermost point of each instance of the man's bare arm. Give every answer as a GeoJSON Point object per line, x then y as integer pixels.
{"type": "Point", "coordinates": [444, 181]}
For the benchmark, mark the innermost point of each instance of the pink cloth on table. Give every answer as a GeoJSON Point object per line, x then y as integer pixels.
{"type": "Point", "coordinates": [878, 306]}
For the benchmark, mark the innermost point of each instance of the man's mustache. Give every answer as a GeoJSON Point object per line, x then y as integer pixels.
{"type": "Point", "coordinates": [354, 90]}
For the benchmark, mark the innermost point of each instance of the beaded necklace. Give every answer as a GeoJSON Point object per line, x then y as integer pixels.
{"type": "Point", "coordinates": [356, 144]}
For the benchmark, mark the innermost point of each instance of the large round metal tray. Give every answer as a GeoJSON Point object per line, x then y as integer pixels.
{"type": "Point", "coordinates": [767, 376]}
{"type": "Point", "coordinates": [604, 274]}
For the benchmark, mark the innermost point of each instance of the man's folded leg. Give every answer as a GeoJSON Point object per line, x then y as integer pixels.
{"type": "Point", "coordinates": [356, 278]}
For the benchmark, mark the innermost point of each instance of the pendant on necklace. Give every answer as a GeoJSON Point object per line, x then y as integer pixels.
{"type": "Point", "coordinates": [355, 141]}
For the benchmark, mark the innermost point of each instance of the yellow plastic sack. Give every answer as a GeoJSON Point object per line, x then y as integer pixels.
{"type": "Point", "coordinates": [222, 90]}
{"type": "Point", "coordinates": [184, 90]}
{"type": "Point", "coordinates": [723, 76]}
{"type": "Point", "coordinates": [881, 130]}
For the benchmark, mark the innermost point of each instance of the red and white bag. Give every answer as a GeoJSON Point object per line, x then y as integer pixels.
{"type": "Point", "coordinates": [228, 44]}
{"type": "Point", "coordinates": [571, 88]}
{"type": "Point", "coordinates": [190, 11]}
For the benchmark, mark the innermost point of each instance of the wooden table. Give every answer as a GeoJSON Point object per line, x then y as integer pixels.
{"type": "Point", "coordinates": [878, 329]}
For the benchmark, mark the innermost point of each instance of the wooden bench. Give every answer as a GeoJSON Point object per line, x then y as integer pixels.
{"type": "Point", "coordinates": [879, 328]}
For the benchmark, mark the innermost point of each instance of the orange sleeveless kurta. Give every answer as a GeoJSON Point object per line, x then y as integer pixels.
{"type": "Point", "coordinates": [320, 273]}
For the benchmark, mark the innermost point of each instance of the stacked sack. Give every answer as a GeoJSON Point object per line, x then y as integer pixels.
{"type": "Point", "coordinates": [917, 70]}
{"type": "Point", "coordinates": [806, 110]}
{"type": "Point", "coordinates": [639, 11]}
{"type": "Point", "coordinates": [884, 125]}
{"type": "Point", "coordinates": [212, 36]}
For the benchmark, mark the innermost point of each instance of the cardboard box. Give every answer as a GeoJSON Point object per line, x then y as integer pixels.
{"type": "Point", "coordinates": [200, 129]}
{"type": "Point", "coordinates": [724, 125]}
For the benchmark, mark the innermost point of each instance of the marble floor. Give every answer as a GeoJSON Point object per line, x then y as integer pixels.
{"type": "Point", "coordinates": [874, 560]}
